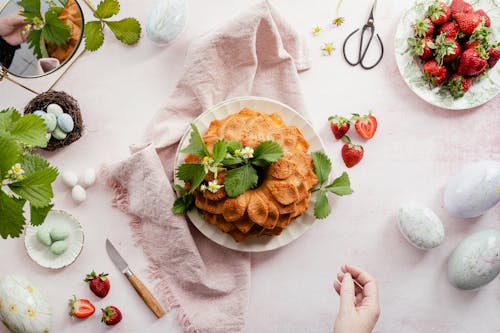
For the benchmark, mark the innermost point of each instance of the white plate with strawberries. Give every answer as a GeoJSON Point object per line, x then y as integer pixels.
{"type": "Point", "coordinates": [446, 51]}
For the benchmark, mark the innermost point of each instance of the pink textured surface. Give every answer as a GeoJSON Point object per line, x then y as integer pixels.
{"type": "Point", "coordinates": [417, 147]}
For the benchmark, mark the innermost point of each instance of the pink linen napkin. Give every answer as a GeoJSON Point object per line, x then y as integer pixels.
{"type": "Point", "coordinates": [256, 53]}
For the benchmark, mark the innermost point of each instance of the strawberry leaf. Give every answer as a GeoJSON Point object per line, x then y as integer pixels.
{"type": "Point", "coordinates": [219, 151]}
{"type": "Point", "coordinates": [183, 204]}
{"type": "Point", "coordinates": [107, 8]}
{"type": "Point", "coordinates": [266, 153]}
{"type": "Point", "coordinates": [10, 152]}
{"type": "Point", "coordinates": [196, 145]}
{"type": "Point", "coordinates": [240, 180]}
{"type": "Point", "coordinates": [30, 130]}
{"type": "Point", "coordinates": [94, 37]}
{"type": "Point", "coordinates": [38, 214]}
{"type": "Point", "coordinates": [191, 173]}
{"type": "Point", "coordinates": [340, 186]}
{"type": "Point", "coordinates": [11, 211]}
{"type": "Point", "coordinates": [322, 207]}
{"type": "Point", "coordinates": [55, 31]}
{"type": "Point", "coordinates": [322, 166]}
{"type": "Point", "coordinates": [127, 31]}
{"type": "Point", "coordinates": [36, 187]}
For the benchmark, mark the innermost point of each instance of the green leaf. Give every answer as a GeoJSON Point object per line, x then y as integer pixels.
{"type": "Point", "coordinates": [180, 189]}
{"type": "Point", "coordinates": [7, 119]}
{"type": "Point", "coordinates": [9, 152]}
{"type": "Point", "coordinates": [11, 216]}
{"type": "Point", "coordinates": [196, 145]}
{"type": "Point", "coordinates": [127, 31]}
{"type": "Point", "coordinates": [34, 42]}
{"type": "Point", "coordinates": [233, 145]}
{"type": "Point", "coordinates": [322, 166]}
{"type": "Point", "coordinates": [228, 161]}
{"type": "Point", "coordinates": [322, 207]}
{"type": "Point", "coordinates": [183, 204]}
{"type": "Point", "coordinates": [32, 163]}
{"type": "Point", "coordinates": [37, 186]}
{"type": "Point", "coordinates": [38, 214]}
{"type": "Point", "coordinates": [63, 3]}
{"type": "Point", "coordinates": [107, 8]}
{"type": "Point", "coordinates": [240, 180]}
{"type": "Point", "coordinates": [340, 186]}
{"type": "Point", "coordinates": [219, 151]}
{"type": "Point", "coordinates": [31, 8]}
{"type": "Point", "coordinates": [266, 153]}
{"type": "Point", "coordinates": [191, 173]}
{"type": "Point", "coordinates": [55, 30]}
{"type": "Point", "coordinates": [94, 37]}
{"type": "Point", "coordinates": [30, 130]}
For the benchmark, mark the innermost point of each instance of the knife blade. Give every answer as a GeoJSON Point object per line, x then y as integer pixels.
{"type": "Point", "coordinates": [139, 287]}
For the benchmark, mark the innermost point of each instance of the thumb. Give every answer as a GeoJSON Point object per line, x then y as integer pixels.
{"type": "Point", "coordinates": [347, 293]}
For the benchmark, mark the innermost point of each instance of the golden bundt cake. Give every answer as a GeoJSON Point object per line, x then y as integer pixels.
{"type": "Point", "coordinates": [283, 192]}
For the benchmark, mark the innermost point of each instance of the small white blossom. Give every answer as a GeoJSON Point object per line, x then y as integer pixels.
{"type": "Point", "coordinates": [247, 152]}
{"type": "Point", "coordinates": [207, 163]}
{"type": "Point", "coordinates": [213, 186]}
{"type": "Point", "coordinates": [203, 187]}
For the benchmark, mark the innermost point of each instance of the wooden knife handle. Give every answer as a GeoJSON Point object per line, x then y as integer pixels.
{"type": "Point", "coordinates": [146, 296]}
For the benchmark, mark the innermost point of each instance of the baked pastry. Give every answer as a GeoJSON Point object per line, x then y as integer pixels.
{"type": "Point", "coordinates": [283, 191]}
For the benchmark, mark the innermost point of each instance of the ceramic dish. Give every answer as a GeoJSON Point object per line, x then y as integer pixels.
{"type": "Point", "coordinates": [300, 225]}
{"type": "Point", "coordinates": [41, 254]}
{"type": "Point", "coordinates": [479, 93]}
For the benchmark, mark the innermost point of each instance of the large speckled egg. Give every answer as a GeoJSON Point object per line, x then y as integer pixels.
{"type": "Point", "coordinates": [420, 226]}
{"type": "Point", "coordinates": [475, 261]}
{"type": "Point", "coordinates": [473, 190]}
{"type": "Point", "coordinates": [23, 307]}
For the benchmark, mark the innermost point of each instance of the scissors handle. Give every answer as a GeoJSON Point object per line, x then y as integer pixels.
{"type": "Point", "coordinates": [361, 51]}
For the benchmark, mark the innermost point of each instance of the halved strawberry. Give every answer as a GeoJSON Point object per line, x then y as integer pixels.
{"type": "Point", "coordinates": [434, 73]}
{"type": "Point", "coordinates": [339, 126]}
{"type": "Point", "coordinates": [366, 126]}
{"type": "Point", "coordinates": [81, 308]}
{"type": "Point", "coordinates": [460, 6]}
{"type": "Point", "coordinates": [423, 28]}
{"type": "Point", "coordinates": [439, 12]}
{"type": "Point", "coordinates": [484, 16]}
{"type": "Point", "coordinates": [351, 153]}
{"type": "Point", "coordinates": [468, 22]}
{"type": "Point", "coordinates": [458, 85]}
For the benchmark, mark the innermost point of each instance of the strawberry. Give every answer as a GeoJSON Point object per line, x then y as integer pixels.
{"type": "Point", "coordinates": [351, 153]}
{"type": "Point", "coordinates": [434, 73]}
{"type": "Point", "coordinates": [460, 6]}
{"type": "Point", "coordinates": [479, 39]}
{"type": "Point", "coordinates": [494, 54]}
{"type": "Point", "coordinates": [447, 49]}
{"type": "Point", "coordinates": [81, 308]}
{"type": "Point", "coordinates": [471, 63]}
{"type": "Point", "coordinates": [366, 126]}
{"type": "Point", "coordinates": [421, 47]}
{"type": "Point", "coordinates": [472, 44]}
{"type": "Point", "coordinates": [458, 85]}
{"type": "Point", "coordinates": [484, 16]}
{"type": "Point", "coordinates": [111, 315]}
{"type": "Point", "coordinates": [439, 12]}
{"type": "Point", "coordinates": [423, 28]}
{"type": "Point", "coordinates": [339, 126]}
{"type": "Point", "coordinates": [449, 28]}
{"type": "Point", "coordinates": [468, 22]}
{"type": "Point", "coordinates": [99, 284]}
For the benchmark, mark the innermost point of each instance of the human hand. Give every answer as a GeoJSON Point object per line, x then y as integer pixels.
{"type": "Point", "coordinates": [12, 28]}
{"type": "Point", "coordinates": [359, 307]}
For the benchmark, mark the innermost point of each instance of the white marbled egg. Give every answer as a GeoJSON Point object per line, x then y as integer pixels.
{"type": "Point", "coordinates": [78, 194]}
{"type": "Point", "coordinates": [420, 226]}
{"type": "Point", "coordinates": [69, 178]}
{"type": "Point", "coordinates": [23, 307]}
{"type": "Point", "coordinates": [166, 21]}
{"type": "Point", "coordinates": [87, 178]}
{"type": "Point", "coordinates": [475, 261]}
{"type": "Point", "coordinates": [473, 190]}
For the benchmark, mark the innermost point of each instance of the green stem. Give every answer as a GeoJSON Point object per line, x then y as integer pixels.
{"type": "Point", "coordinates": [43, 49]}
{"type": "Point", "coordinates": [338, 7]}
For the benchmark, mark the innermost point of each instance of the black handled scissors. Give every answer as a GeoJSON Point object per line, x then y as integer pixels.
{"type": "Point", "coordinates": [362, 52]}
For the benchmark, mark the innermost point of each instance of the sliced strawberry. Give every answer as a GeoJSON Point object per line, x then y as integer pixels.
{"type": "Point", "coordinates": [494, 55]}
{"type": "Point", "coordinates": [434, 73]}
{"type": "Point", "coordinates": [99, 284]}
{"type": "Point", "coordinates": [450, 29]}
{"type": "Point", "coordinates": [439, 12]}
{"type": "Point", "coordinates": [423, 28]}
{"type": "Point", "coordinates": [81, 308]}
{"type": "Point", "coordinates": [460, 6]}
{"type": "Point", "coordinates": [471, 63]}
{"type": "Point", "coordinates": [468, 22]}
{"type": "Point", "coordinates": [421, 47]}
{"type": "Point", "coordinates": [366, 126]}
{"type": "Point", "coordinates": [111, 315]}
{"type": "Point", "coordinates": [339, 126]}
{"type": "Point", "coordinates": [458, 85]}
{"type": "Point", "coordinates": [484, 16]}
{"type": "Point", "coordinates": [351, 153]}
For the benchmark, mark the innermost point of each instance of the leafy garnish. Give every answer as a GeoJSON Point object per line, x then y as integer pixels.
{"type": "Point", "coordinates": [94, 37]}
{"type": "Point", "coordinates": [266, 153]}
{"type": "Point", "coordinates": [191, 173]}
{"type": "Point", "coordinates": [196, 145]}
{"type": "Point", "coordinates": [107, 8]}
{"type": "Point", "coordinates": [12, 221]}
{"type": "Point", "coordinates": [240, 180]}
{"type": "Point", "coordinates": [127, 31]}
{"type": "Point", "coordinates": [322, 208]}
{"type": "Point", "coordinates": [55, 31]}
{"type": "Point", "coordinates": [183, 204]}
{"type": "Point", "coordinates": [322, 166]}
{"type": "Point", "coordinates": [30, 130]}
{"type": "Point", "coordinates": [219, 151]}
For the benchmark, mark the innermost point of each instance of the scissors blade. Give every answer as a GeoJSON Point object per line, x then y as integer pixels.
{"type": "Point", "coordinates": [370, 18]}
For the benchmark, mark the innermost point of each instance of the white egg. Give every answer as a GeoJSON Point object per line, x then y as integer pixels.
{"type": "Point", "coordinates": [23, 307]}
{"type": "Point", "coordinates": [69, 178]}
{"type": "Point", "coordinates": [420, 226]}
{"type": "Point", "coordinates": [473, 190]}
{"type": "Point", "coordinates": [87, 178]}
{"type": "Point", "coordinates": [475, 261]}
{"type": "Point", "coordinates": [166, 21]}
{"type": "Point", "coordinates": [78, 194]}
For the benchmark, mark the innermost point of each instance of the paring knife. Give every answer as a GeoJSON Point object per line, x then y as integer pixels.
{"type": "Point", "coordinates": [141, 289]}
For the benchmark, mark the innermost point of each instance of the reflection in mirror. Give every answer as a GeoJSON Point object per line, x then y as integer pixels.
{"type": "Point", "coordinates": [39, 36]}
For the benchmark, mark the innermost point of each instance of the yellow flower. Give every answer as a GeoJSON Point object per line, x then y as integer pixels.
{"type": "Point", "coordinates": [338, 21]}
{"type": "Point", "coordinates": [328, 48]}
{"type": "Point", "coordinates": [316, 30]}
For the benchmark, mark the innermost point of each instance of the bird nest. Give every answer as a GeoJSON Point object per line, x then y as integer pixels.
{"type": "Point", "coordinates": [69, 105]}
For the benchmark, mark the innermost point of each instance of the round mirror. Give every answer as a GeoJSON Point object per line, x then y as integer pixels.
{"type": "Point", "coordinates": [39, 36]}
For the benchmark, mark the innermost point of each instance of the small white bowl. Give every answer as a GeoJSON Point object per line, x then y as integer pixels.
{"type": "Point", "coordinates": [41, 254]}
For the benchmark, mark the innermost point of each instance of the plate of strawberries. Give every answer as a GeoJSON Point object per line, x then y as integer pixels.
{"type": "Point", "coordinates": [447, 51]}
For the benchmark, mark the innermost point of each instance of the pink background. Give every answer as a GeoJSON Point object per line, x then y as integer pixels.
{"type": "Point", "coordinates": [416, 148]}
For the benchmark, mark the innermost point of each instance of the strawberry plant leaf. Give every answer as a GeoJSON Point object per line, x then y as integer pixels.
{"type": "Point", "coordinates": [180, 189]}
{"type": "Point", "coordinates": [341, 185]}
{"type": "Point", "coordinates": [94, 37]}
{"type": "Point", "coordinates": [30, 130]}
{"type": "Point", "coordinates": [196, 144]}
{"type": "Point", "coordinates": [7, 118]}
{"type": "Point", "coordinates": [31, 9]}
{"type": "Point", "coordinates": [38, 214]}
{"type": "Point", "coordinates": [63, 3]}
{"type": "Point", "coordinates": [229, 161]}
{"type": "Point", "coordinates": [219, 151]}
{"type": "Point", "coordinates": [191, 173]}
{"type": "Point", "coordinates": [233, 145]}
{"type": "Point", "coordinates": [183, 204]}
{"type": "Point", "coordinates": [11, 211]}
{"type": "Point", "coordinates": [55, 30]}
{"type": "Point", "coordinates": [266, 153]}
{"type": "Point", "coordinates": [322, 207]}
{"type": "Point", "coordinates": [34, 42]}
{"type": "Point", "coordinates": [36, 187]}
{"type": "Point", "coordinates": [239, 180]}
{"type": "Point", "coordinates": [9, 152]}
{"type": "Point", "coordinates": [322, 166]}
{"type": "Point", "coordinates": [107, 8]}
{"type": "Point", "coordinates": [127, 31]}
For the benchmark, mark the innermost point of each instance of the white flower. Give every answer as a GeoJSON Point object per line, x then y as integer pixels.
{"type": "Point", "coordinates": [203, 187]}
{"type": "Point", "coordinates": [207, 163]}
{"type": "Point", "coordinates": [213, 186]}
{"type": "Point", "coordinates": [247, 152]}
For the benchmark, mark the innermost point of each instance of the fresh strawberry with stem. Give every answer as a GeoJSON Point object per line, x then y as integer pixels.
{"type": "Point", "coordinates": [422, 47]}
{"type": "Point", "coordinates": [339, 126]}
{"type": "Point", "coordinates": [460, 6]}
{"type": "Point", "coordinates": [451, 29]}
{"type": "Point", "coordinates": [471, 63]}
{"type": "Point", "coordinates": [366, 125]}
{"type": "Point", "coordinates": [493, 54]}
{"type": "Point", "coordinates": [434, 73]}
{"type": "Point", "coordinates": [468, 22]}
{"type": "Point", "coordinates": [458, 85]}
{"type": "Point", "coordinates": [484, 16]}
{"type": "Point", "coordinates": [111, 315]}
{"type": "Point", "coordinates": [423, 28]}
{"type": "Point", "coordinates": [479, 39]}
{"type": "Point", "coordinates": [439, 12]}
{"type": "Point", "coordinates": [99, 284]}
{"type": "Point", "coordinates": [447, 49]}
{"type": "Point", "coordinates": [80, 308]}
{"type": "Point", "coordinates": [351, 153]}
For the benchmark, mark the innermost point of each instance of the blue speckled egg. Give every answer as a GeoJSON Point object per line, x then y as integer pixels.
{"type": "Point", "coordinates": [65, 122]}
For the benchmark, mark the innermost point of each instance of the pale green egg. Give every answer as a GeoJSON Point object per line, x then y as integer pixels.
{"type": "Point", "coordinates": [43, 236]}
{"type": "Point", "coordinates": [59, 233]}
{"type": "Point", "coordinates": [59, 247]}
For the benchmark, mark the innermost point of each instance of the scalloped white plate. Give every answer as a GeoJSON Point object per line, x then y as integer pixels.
{"type": "Point", "coordinates": [302, 223]}
{"type": "Point", "coordinates": [41, 254]}
{"type": "Point", "coordinates": [481, 90]}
